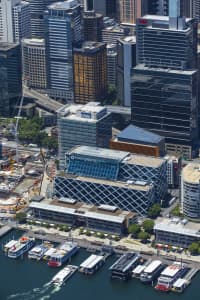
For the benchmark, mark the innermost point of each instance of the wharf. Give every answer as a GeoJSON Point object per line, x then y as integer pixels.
{"type": "Point", "coordinates": [4, 230]}
{"type": "Point", "coordinates": [191, 274]}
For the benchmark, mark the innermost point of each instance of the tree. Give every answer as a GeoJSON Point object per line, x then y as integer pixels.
{"type": "Point", "coordinates": [194, 248]}
{"type": "Point", "coordinates": [154, 211]}
{"type": "Point", "coordinates": [176, 211]}
{"type": "Point", "coordinates": [148, 226]}
{"type": "Point", "coordinates": [134, 229]}
{"type": "Point", "coordinates": [143, 235]}
{"type": "Point", "coordinates": [20, 217]}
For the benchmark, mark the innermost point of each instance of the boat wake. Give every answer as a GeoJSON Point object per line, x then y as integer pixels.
{"type": "Point", "coordinates": [42, 293]}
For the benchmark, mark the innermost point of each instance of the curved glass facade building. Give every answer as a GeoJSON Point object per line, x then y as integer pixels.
{"type": "Point", "coordinates": [190, 191]}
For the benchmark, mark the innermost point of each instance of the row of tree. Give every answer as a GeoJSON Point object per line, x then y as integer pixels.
{"type": "Point", "coordinates": [143, 231]}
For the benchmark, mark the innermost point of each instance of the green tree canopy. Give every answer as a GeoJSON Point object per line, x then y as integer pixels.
{"type": "Point", "coordinates": [134, 229]}
{"type": "Point", "coordinates": [154, 211]}
{"type": "Point", "coordinates": [194, 248]}
{"type": "Point", "coordinates": [148, 226]}
{"type": "Point", "coordinates": [143, 235]}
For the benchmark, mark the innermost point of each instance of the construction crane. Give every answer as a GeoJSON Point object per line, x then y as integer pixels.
{"type": "Point", "coordinates": [16, 128]}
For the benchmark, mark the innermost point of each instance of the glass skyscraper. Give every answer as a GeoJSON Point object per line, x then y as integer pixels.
{"type": "Point", "coordinates": [63, 31]}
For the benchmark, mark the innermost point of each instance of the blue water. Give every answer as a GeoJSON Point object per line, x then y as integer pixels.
{"type": "Point", "coordinates": [25, 279]}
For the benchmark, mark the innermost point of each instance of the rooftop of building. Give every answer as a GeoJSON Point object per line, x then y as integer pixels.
{"type": "Point", "coordinates": [34, 41]}
{"type": "Point", "coordinates": [176, 225]}
{"type": "Point", "coordinates": [191, 173]}
{"type": "Point", "coordinates": [130, 184]}
{"type": "Point", "coordinates": [90, 112]}
{"type": "Point", "coordinates": [90, 47]}
{"type": "Point", "coordinates": [63, 5]}
{"type": "Point", "coordinates": [146, 161]}
{"type": "Point", "coordinates": [114, 28]}
{"type": "Point", "coordinates": [121, 156]}
{"type": "Point", "coordinates": [159, 69]}
{"type": "Point", "coordinates": [133, 133]}
{"type": "Point", "coordinates": [163, 20]}
{"type": "Point", "coordinates": [7, 46]}
{"type": "Point", "coordinates": [91, 14]}
{"type": "Point", "coordinates": [128, 39]}
{"type": "Point", "coordinates": [99, 152]}
{"type": "Point", "coordinates": [67, 205]}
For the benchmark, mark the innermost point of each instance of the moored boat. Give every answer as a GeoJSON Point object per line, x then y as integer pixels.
{"type": "Point", "coordinates": [21, 246]}
{"type": "Point", "coordinates": [63, 275]}
{"type": "Point", "coordinates": [169, 275]}
{"type": "Point", "coordinates": [62, 254]}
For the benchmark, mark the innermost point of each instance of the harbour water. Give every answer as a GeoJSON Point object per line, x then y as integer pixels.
{"type": "Point", "coordinates": [25, 279]}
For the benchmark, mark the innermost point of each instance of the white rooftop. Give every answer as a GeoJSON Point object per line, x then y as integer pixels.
{"type": "Point", "coordinates": [152, 266]}
{"type": "Point", "coordinates": [63, 5]}
{"type": "Point", "coordinates": [171, 270]}
{"type": "Point", "coordinates": [138, 270]}
{"type": "Point", "coordinates": [179, 283]}
{"type": "Point", "coordinates": [99, 152]}
{"type": "Point", "coordinates": [91, 261]}
{"type": "Point", "coordinates": [168, 225]}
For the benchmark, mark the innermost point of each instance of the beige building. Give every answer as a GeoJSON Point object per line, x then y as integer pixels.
{"type": "Point", "coordinates": [130, 10]}
{"type": "Point", "coordinates": [34, 64]}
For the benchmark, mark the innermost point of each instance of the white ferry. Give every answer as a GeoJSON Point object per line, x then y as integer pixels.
{"type": "Point", "coordinates": [9, 245]}
{"type": "Point", "coordinates": [137, 271]}
{"type": "Point", "coordinates": [63, 253]}
{"type": "Point", "coordinates": [170, 275]}
{"type": "Point", "coordinates": [21, 246]}
{"type": "Point", "coordinates": [152, 271]}
{"type": "Point", "coordinates": [39, 251]}
{"type": "Point", "coordinates": [63, 275]}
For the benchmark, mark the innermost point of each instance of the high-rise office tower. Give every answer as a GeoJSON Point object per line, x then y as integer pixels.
{"type": "Point", "coordinates": [112, 64]}
{"type": "Point", "coordinates": [37, 8]}
{"type": "Point", "coordinates": [89, 125]}
{"type": "Point", "coordinates": [90, 76]}
{"type": "Point", "coordinates": [196, 9]}
{"type": "Point", "coordinates": [14, 21]}
{"type": "Point", "coordinates": [92, 26]}
{"type": "Point", "coordinates": [165, 81]}
{"type": "Point", "coordinates": [126, 60]}
{"type": "Point", "coordinates": [161, 7]}
{"type": "Point", "coordinates": [105, 7]}
{"type": "Point", "coordinates": [130, 10]}
{"type": "Point", "coordinates": [63, 31]}
{"type": "Point", "coordinates": [11, 77]}
{"type": "Point", "coordinates": [34, 63]}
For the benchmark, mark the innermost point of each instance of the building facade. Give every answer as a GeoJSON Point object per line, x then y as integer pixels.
{"type": "Point", "coordinates": [90, 72]}
{"type": "Point", "coordinates": [34, 63]}
{"type": "Point", "coordinates": [88, 124]}
{"type": "Point", "coordinates": [111, 64]}
{"type": "Point", "coordinates": [158, 106]}
{"type": "Point", "coordinates": [63, 31]}
{"type": "Point", "coordinates": [101, 176]}
{"type": "Point", "coordinates": [69, 211]}
{"type": "Point", "coordinates": [190, 191]}
{"type": "Point", "coordinates": [11, 77]}
{"type": "Point", "coordinates": [14, 21]}
{"type": "Point", "coordinates": [176, 232]}
{"type": "Point", "coordinates": [126, 60]}
{"type": "Point", "coordinates": [130, 10]}
{"type": "Point", "coordinates": [92, 26]}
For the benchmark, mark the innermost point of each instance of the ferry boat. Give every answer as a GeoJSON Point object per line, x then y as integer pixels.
{"type": "Point", "coordinates": [152, 271]}
{"type": "Point", "coordinates": [9, 245]}
{"type": "Point", "coordinates": [180, 285]}
{"type": "Point", "coordinates": [91, 264]}
{"type": "Point", "coordinates": [137, 271]}
{"type": "Point", "coordinates": [62, 254]}
{"type": "Point", "coordinates": [63, 275]}
{"type": "Point", "coordinates": [39, 251]}
{"type": "Point", "coordinates": [21, 246]}
{"type": "Point", "coordinates": [170, 275]}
